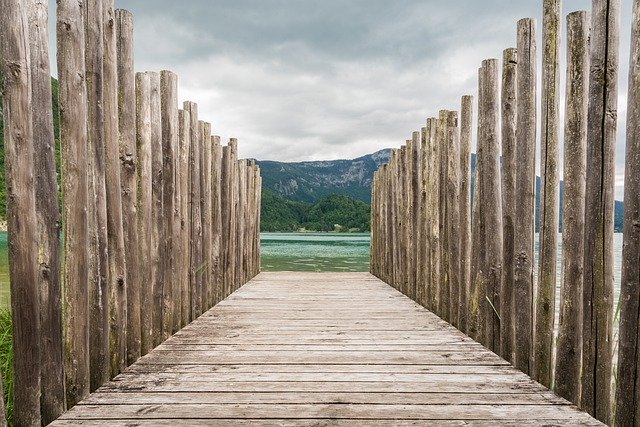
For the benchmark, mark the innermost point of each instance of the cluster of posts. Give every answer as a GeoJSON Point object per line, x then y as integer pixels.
{"type": "Point", "coordinates": [157, 221]}
{"type": "Point", "coordinates": [466, 251]}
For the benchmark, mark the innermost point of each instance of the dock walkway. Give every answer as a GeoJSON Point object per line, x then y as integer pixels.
{"type": "Point", "coordinates": [321, 349]}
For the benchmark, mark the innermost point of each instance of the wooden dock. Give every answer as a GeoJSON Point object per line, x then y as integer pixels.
{"type": "Point", "coordinates": [321, 349]}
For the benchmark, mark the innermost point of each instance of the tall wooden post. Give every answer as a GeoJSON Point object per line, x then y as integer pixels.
{"type": "Point", "coordinates": [144, 193]}
{"type": "Point", "coordinates": [443, 283]}
{"type": "Point", "coordinates": [509, 195]}
{"type": "Point", "coordinates": [549, 188]}
{"type": "Point", "coordinates": [225, 205]}
{"type": "Point", "coordinates": [525, 188]}
{"type": "Point", "coordinates": [216, 266]}
{"type": "Point", "coordinates": [115, 231]}
{"type": "Point", "coordinates": [415, 178]}
{"type": "Point", "coordinates": [453, 214]}
{"type": "Point", "coordinates": [157, 228]}
{"type": "Point", "coordinates": [128, 298]}
{"type": "Point", "coordinates": [600, 194]}
{"type": "Point", "coordinates": [466, 123]}
{"type": "Point", "coordinates": [169, 123]}
{"type": "Point", "coordinates": [48, 217]}
{"type": "Point", "coordinates": [196, 227]}
{"type": "Point", "coordinates": [73, 138]}
{"type": "Point", "coordinates": [97, 208]}
{"type": "Point", "coordinates": [476, 285]}
{"type": "Point", "coordinates": [184, 123]}
{"type": "Point", "coordinates": [567, 374]}
{"type": "Point", "coordinates": [207, 237]}
{"type": "Point", "coordinates": [627, 392]}
{"type": "Point", "coordinates": [433, 209]}
{"type": "Point", "coordinates": [21, 205]}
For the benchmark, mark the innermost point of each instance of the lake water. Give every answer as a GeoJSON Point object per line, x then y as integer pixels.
{"type": "Point", "coordinates": [308, 252]}
{"type": "Point", "coordinates": [314, 252]}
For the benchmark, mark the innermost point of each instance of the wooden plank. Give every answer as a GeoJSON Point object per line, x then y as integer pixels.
{"type": "Point", "coordinates": [46, 190]}
{"type": "Point", "coordinates": [230, 365]}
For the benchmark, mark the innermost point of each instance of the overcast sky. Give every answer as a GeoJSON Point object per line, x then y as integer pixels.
{"type": "Point", "coordinates": [308, 79]}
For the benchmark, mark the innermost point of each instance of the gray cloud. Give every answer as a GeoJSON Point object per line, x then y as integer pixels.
{"type": "Point", "coordinates": [300, 80]}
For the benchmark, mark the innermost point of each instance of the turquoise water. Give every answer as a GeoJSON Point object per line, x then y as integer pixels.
{"type": "Point", "coordinates": [314, 252]}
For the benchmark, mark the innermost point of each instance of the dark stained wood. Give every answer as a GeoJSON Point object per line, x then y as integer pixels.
{"type": "Point", "coordinates": [231, 379]}
{"type": "Point", "coordinates": [568, 352]}
{"type": "Point", "coordinates": [599, 201]}
{"type": "Point", "coordinates": [73, 139]}
{"type": "Point", "coordinates": [46, 192]}
{"type": "Point", "coordinates": [21, 205]}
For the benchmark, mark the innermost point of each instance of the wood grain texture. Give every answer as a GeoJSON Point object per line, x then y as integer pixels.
{"type": "Point", "coordinates": [21, 205]}
{"type": "Point", "coordinates": [47, 212]}
{"type": "Point", "coordinates": [206, 375]}
{"type": "Point", "coordinates": [568, 352]}
{"type": "Point", "coordinates": [73, 139]}
{"type": "Point", "coordinates": [602, 119]}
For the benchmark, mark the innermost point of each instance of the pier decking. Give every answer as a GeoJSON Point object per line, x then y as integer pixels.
{"type": "Point", "coordinates": [321, 349]}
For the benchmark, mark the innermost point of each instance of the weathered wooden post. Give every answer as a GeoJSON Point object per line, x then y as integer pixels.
{"type": "Point", "coordinates": [157, 227]}
{"type": "Point", "coordinates": [128, 164]}
{"type": "Point", "coordinates": [525, 189]}
{"type": "Point", "coordinates": [184, 122]}
{"type": "Point", "coordinates": [567, 369]}
{"type": "Point", "coordinates": [206, 217]}
{"type": "Point", "coordinates": [196, 226]}
{"type": "Point", "coordinates": [443, 283]}
{"type": "Point", "coordinates": [491, 206]}
{"type": "Point", "coordinates": [144, 193]}
{"type": "Point", "coordinates": [600, 195]}
{"type": "Point", "coordinates": [216, 265]}
{"type": "Point", "coordinates": [48, 217]}
{"type": "Point", "coordinates": [233, 243]}
{"type": "Point", "coordinates": [225, 208]}
{"type": "Point", "coordinates": [73, 138]}
{"type": "Point", "coordinates": [422, 228]}
{"type": "Point", "coordinates": [627, 392]}
{"type": "Point", "coordinates": [97, 207]}
{"type": "Point", "coordinates": [476, 284]}
{"type": "Point", "coordinates": [466, 123]}
{"type": "Point", "coordinates": [21, 204]}
{"type": "Point", "coordinates": [452, 142]}
{"type": "Point", "coordinates": [549, 188]}
{"type": "Point", "coordinates": [169, 122]}
{"type": "Point", "coordinates": [115, 232]}
{"type": "Point", "coordinates": [509, 195]}
{"type": "Point", "coordinates": [433, 212]}
{"type": "Point", "coordinates": [415, 178]}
